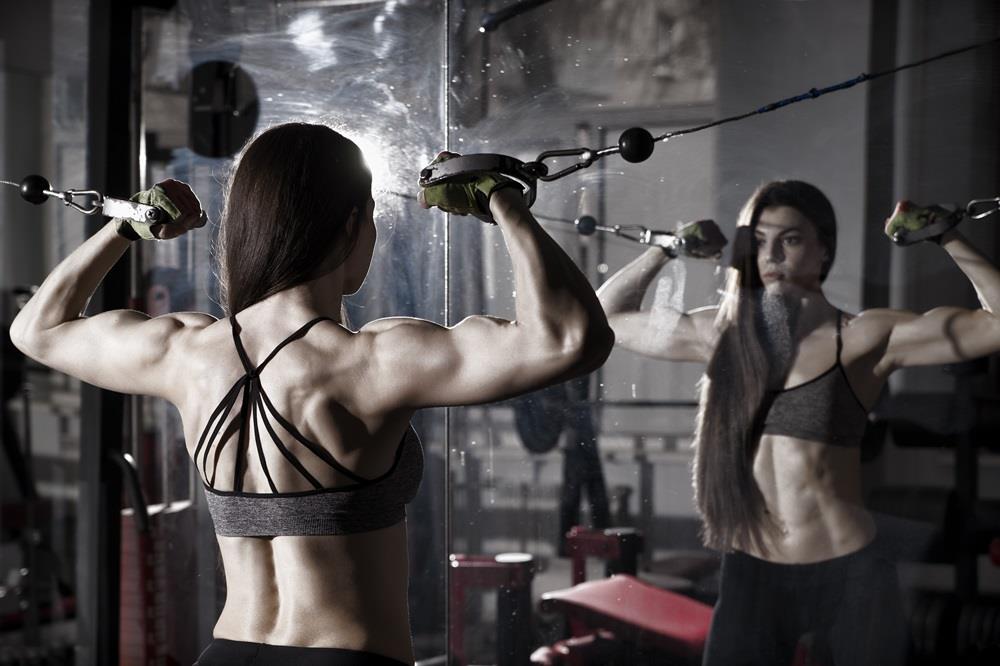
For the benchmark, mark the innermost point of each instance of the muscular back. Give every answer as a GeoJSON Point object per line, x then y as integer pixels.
{"type": "Point", "coordinates": [345, 591]}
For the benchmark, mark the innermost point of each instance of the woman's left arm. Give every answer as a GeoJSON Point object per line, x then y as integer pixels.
{"type": "Point", "coordinates": [119, 350]}
{"type": "Point", "coordinates": [948, 334]}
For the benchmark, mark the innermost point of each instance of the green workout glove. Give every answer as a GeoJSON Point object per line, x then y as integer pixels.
{"type": "Point", "coordinates": [466, 196]}
{"type": "Point", "coordinates": [702, 239]}
{"type": "Point", "coordinates": [155, 196]}
{"type": "Point", "coordinates": [911, 223]}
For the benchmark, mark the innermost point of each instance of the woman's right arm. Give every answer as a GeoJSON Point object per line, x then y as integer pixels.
{"type": "Point", "coordinates": [559, 331]}
{"type": "Point", "coordinates": [669, 335]}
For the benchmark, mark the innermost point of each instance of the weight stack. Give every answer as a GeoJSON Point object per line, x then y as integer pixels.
{"type": "Point", "coordinates": [143, 584]}
{"type": "Point", "coordinates": [977, 637]}
{"type": "Point", "coordinates": [159, 620]}
{"type": "Point", "coordinates": [945, 631]}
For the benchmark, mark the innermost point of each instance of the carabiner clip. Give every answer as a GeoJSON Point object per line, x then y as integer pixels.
{"type": "Point", "coordinates": [587, 156]}
{"type": "Point", "coordinates": [971, 208]}
{"type": "Point", "coordinates": [68, 196]}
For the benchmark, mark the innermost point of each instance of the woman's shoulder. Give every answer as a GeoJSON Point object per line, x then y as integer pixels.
{"type": "Point", "coordinates": [875, 320]}
{"type": "Point", "coordinates": [870, 329]}
{"type": "Point", "coordinates": [393, 323]}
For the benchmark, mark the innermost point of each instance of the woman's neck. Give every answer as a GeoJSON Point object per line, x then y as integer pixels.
{"type": "Point", "coordinates": [814, 311]}
{"type": "Point", "coordinates": [321, 297]}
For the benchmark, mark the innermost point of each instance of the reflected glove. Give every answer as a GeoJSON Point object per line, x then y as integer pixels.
{"type": "Point", "coordinates": [910, 223]}
{"type": "Point", "coordinates": [701, 240]}
{"type": "Point", "coordinates": [465, 195]}
{"type": "Point", "coordinates": [155, 196]}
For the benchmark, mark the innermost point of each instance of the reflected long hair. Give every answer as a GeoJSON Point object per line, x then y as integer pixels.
{"type": "Point", "coordinates": [734, 388]}
{"type": "Point", "coordinates": [287, 209]}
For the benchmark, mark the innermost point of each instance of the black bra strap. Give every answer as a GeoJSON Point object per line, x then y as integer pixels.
{"type": "Point", "coordinates": [245, 359]}
{"type": "Point", "coordinates": [294, 336]}
{"type": "Point", "coordinates": [247, 365]}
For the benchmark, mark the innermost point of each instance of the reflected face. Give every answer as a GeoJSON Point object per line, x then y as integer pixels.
{"type": "Point", "coordinates": [360, 259]}
{"type": "Point", "coordinates": [789, 252]}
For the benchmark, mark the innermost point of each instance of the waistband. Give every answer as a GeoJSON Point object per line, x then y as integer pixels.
{"type": "Point", "coordinates": [739, 563]}
{"type": "Point", "coordinates": [222, 651]}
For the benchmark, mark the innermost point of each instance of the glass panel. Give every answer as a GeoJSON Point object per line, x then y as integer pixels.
{"type": "Point", "coordinates": [43, 119]}
{"type": "Point", "coordinates": [610, 449]}
{"type": "Point", "coordinates": [364, 68]}
{"type": "Point", "coordinates": [614, 450]}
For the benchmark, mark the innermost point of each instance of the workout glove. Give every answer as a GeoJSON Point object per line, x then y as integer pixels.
{"type": "Point", "coordinates": [701, 239]}
{"type": "Point", "coordinates": [155, 196]}
{"type": "Point", "coordinates": [910, 223]}
{"type": "Point", "coordinates": [468, 195]}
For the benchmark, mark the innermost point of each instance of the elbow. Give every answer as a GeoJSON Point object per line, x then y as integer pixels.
{"type": "Point", "coordinates": [588, 347]}
{"type": "Point", "coordinates": [29, 340]}
{"type": "Point", "coordinates": [601, 349]}
{"type": "Point", "coordinates": [25, 342]}
{"type": "Point", "coordinates": [19, 337]}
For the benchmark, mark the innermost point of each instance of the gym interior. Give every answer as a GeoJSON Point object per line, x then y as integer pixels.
{"type": "Point", "coordinates": [107, 553]}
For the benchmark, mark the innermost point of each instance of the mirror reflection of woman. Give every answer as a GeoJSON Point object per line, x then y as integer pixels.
{"type": "Point", "coordinates": [300, 426]}
{"type": "Point", "coordinates": [783, 405]}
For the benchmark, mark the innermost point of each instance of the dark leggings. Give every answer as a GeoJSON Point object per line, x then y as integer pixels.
{"type": "Point", "coordinates": [222, 652]}
{"type": "Point", "coordinates": [837, 612]}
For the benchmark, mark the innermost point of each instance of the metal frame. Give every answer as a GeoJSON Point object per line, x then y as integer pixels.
{"type": "Point", "coordinates": [111, 167]}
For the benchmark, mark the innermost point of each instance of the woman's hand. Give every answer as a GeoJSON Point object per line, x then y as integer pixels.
{"type": "Point", "coordinates": [177, 200]}
{"type": "Point", "coordinates": [190, 214]}
{"type": "Point", "coordinates": [702, 239]}
{"type": "Point", "coordinates": [910, 223]}
{"type": "Point", "coordinates": [468, 195]}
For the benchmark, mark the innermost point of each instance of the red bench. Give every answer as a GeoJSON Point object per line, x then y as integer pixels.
{"type": "Point", "coordinates": [635, 613]}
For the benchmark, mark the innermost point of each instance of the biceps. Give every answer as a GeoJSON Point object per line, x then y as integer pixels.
{"type": "Point", "coordinates": [944, 335]}
{"type": "Point", "coordinates": [120, 350]}
{"type": "Point", "coordinates": [670, 335]}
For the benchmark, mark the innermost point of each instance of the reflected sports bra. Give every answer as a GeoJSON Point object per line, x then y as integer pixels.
{"type": "Point", "coordinates": [824, 409]}
{"type": "Point", "coordinates": [361, 505]}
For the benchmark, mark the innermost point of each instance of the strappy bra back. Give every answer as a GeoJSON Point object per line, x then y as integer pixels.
{"type": "Point", "coordinates": [360, 505]}
{"type": "Point", "coordinates": [824, 409]}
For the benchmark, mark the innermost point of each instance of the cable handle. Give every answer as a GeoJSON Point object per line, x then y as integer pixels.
{"type": "Point", "coordinates": [976, 209]}
{"type": "Point", "coordinates": [37, 190]}
{"type": "Point", "coordinates": [470, 166]}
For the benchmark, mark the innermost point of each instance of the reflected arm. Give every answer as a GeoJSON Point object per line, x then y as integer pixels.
{"type": "Point", "coordinates": [624, 291]}
{"type": "Point", "coordinates": [687, 336]}
{"type": "Point", "coordinates": [948, 334]}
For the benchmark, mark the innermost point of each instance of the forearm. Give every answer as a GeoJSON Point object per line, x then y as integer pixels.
{"type": "Point", "coordinates": [624, 291]}
{"type": "Point", "coordinates": [552, 292]}
{"type": "Point", "coordinates": [64, 294]}
{"type": "Point", "coordinates": [982, 273]}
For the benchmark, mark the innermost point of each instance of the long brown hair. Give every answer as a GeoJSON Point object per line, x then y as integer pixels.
{"type": "Point", "coordinates": [734, 388]}
{"type": "Point", "coordinates": [287, 208]}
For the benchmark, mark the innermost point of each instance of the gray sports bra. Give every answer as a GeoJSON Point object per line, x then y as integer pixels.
{"type": "Point", "coordinates": [360, 506]}
{"type": "Point", "coordinates": [824, 409]}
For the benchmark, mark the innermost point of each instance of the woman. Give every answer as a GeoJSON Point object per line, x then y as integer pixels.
{"type": "Point", "coordinates": [783, 406]}
{"type": "Point", "coordinates": [309, 507]}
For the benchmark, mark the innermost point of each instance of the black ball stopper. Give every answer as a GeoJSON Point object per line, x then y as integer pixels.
{"type": "Point", "coordinates": [33, 189]}
{"type": "Point", "coordinates": [585, 224]}
{"type": "Point", "coordinates": [636, 144]}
